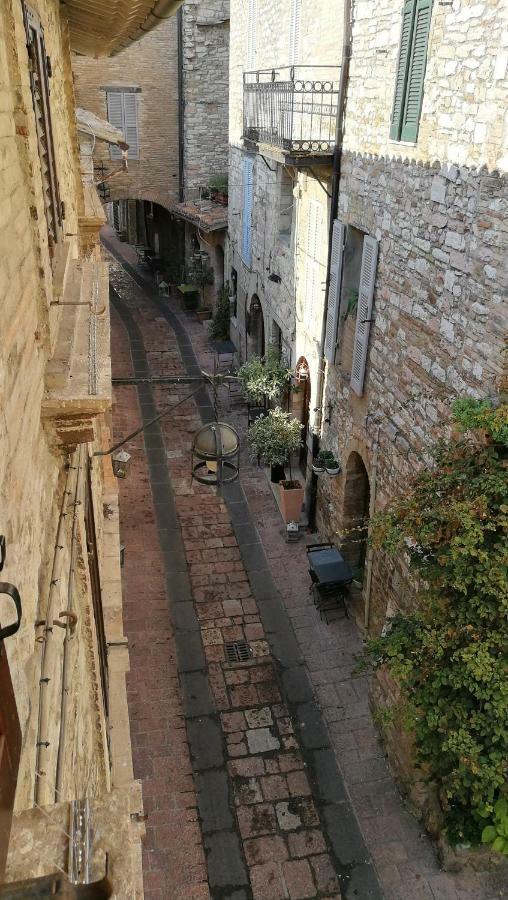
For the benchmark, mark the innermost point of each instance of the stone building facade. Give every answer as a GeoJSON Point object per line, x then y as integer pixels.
{"type": "Point", "coordinates": [425, 217]}
{"type": "Point", "coordinates": [279, 201]}
{"type": "Point", "coordinates": [436, 207]}
{"type": "Point", "coordinates": [63, 657]}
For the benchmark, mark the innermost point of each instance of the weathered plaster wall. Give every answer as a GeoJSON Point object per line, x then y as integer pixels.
{"type": "Point", "coordinates": [205, 32]}
{"type": "Point", "coordinates": [32, 467]}
{"type": "Point", "coordinates": [151, 65]}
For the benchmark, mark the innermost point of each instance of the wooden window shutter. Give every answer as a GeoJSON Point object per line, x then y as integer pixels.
{"type": "Point", "coordinates": [294, 32]}
{"type": "Point", "coordinates": [115, 117]}
{"type": "Point", "coordinates": [39, 83]}
{"type": "Point", "coordinates": [406, 37]}
{"type": "Point", "coordinates": [311, 262]}
{"type": "Point", "coordinates": [364, 313]}
{"type": "Point", "coordinates": [416, 73]}
{"type": "Point", "coordinates": [248, 174]}
{"type": "Point", "coordinates": [251, 34]}
{"type": "Point", "coordinates": [332, 315]}
{"type": "Point", "coordinates": [130, 117]}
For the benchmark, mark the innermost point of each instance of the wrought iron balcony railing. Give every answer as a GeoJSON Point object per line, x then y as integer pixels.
{"type": "Point", "coordinates": [293, 108]}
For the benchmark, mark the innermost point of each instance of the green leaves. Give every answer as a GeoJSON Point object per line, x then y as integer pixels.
{"type": "Point", "coordinates": [450, 656]}
{"type": "Point", "coordinates": [265, 376]}
{"type": "Point", "coordinates": [275, 437]}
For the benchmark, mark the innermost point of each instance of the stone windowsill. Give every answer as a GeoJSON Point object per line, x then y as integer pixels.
{"type": "Point", "coordinates": [71, 399]}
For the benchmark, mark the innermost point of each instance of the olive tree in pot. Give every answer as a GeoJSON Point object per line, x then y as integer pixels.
{"type": "Point", "coordinates": [264, 379]}
{"type": "Point", "coordinates": [273, 438]}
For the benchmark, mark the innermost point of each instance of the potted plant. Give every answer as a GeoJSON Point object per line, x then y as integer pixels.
{"type": "Point", "coordinates": [332, 465]}
{"type": "Point", "coordinates": [218, 186]}
{"type": "Point", "coordinates": [264, 377]}
{"type": "Point", "coordinates": [219, 329]}
{"type": "Point", "coordinates": [273, 438]}
{"type": "Point", "coordinates": [291, 499]}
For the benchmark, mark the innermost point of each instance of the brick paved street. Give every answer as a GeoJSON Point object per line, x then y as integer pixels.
{"type": "Point", "coordinates": [262, 779]}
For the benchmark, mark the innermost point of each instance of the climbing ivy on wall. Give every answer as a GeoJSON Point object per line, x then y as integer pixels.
{"type": "Point", "coordinates": [450, 656]}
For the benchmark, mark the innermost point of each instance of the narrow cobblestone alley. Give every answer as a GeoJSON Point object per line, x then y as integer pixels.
{"type": "Point", "coordinates": [262, 779]}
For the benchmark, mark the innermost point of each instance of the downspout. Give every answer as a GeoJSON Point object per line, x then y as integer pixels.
{"type": "Point", "coordinates": [49, 644]}
{"type": "Point", "coordinates": [181, 107]}
{"type": "Point", "coordinates": [70, 625]}
{"type": "Point", "coordinates": [334, 205]}
{"type": "Point", "coordinates": [370, 552]}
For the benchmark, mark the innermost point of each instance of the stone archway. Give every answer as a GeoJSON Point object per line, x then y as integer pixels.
{"type": "Point", "coordinates": [355, 513]}
{"type": "Point", "coordinates": [300, 405]}
{"type": "Point", "coordinates": [255, 328]}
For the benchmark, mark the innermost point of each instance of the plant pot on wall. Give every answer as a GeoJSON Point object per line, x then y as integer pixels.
{"type": "Point", "coordinates": [291, 500]}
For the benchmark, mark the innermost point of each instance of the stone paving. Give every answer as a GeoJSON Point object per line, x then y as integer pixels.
{"type": "Point", "coordinates": [253, 780]}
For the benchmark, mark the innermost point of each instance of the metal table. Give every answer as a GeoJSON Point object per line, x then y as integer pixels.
{"type": "Point", "coordinates": [330, 575]}
{"type": "Point", "coordinates": [329, 566]}
{"type": "Point", "coordinates": [225, 353]}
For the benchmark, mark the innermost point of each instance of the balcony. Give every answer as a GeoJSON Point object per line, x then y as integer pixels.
{"type": "Point", "coordinates": [289, 114]}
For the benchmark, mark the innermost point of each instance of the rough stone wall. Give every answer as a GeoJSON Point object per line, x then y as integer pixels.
{"type": "Point", "coordinates": [439, 316]}
{"type": "Point", "coordinates": [32, 469]}
{"type": "Point", "coordinates": [151, 65]}
{"type": "Point", "coordinates": [464, 116]}
{"type": "Point", "coordinates": [205, 47]}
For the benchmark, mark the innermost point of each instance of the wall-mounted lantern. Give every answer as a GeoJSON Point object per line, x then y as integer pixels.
{"type": "Point", "coordinates": [215, 454]}
{"type": "Point", "coordinates": [120, 462]}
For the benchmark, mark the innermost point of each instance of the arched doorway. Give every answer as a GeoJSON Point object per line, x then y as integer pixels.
{"type": "Point", "coordinates": [301, 405]}
{"type": "Point", "coordinates": [356, 514]}
{"type": "Point", "coordinates": [255, 328]}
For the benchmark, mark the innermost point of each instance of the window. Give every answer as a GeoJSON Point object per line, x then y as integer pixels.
{"type": "Point", "coordinates": [247, 195]}
{"type": "Point", "coordinates": [350, 300]}
{"type": "Point", "coordinates": [251, 34]}
{"type": "Point", "coordinates": [407, 102]}
{"type": "Point", "coordinates": [294, 32]}
{"type": "Point", "coordinates": [40, 70]}
{"type": "Point", "coordinates": [123, 114]}
{"type": "Point", "coordinates": [285, 205]}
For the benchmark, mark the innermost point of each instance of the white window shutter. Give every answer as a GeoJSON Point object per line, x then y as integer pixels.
{"type": "Point", "coordinates": [115, 117]}
{"type": "Point", "coordinates": [248, 175]}
{"type": "Point", "coordinates": [251, 35]}
{"type": "Point", "coordinates": [311, 262]}
{"type": "Point", "coordinates": [332, 315]}
{"type": "Point", "coordinates": [364, 313]}
{"type": "Point", "coordinates": [130, 109]}
{"type": "Point", "coordinates": [294, 32]}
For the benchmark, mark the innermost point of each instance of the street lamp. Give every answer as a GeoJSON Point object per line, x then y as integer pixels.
{"type": "Point", "coordinates": [215, 454]}
{"type": "Point", "coordinates": [120, 462]}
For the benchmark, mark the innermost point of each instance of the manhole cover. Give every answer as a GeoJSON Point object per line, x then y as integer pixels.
{"type": "Point", "coordinates": [237, 651]}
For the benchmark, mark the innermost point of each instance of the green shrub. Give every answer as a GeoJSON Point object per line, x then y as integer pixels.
{"type": "Point", "coordinates": [264, 377]}
{"type": "Point", "coordinates": [275, 437]}
{"type": "Point", "coordinates": [450, 655]}
{"type": "Point", "coordinates": [219, 329]}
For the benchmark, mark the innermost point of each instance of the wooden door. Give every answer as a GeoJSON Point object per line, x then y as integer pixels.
{"type": "Point", "coordinates": [10, 751]}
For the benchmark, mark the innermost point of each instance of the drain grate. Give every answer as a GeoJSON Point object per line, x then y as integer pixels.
{"type": "Point", "coordinates": [237, 651]}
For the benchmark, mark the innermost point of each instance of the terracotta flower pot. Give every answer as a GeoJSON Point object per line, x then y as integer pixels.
{"type": "Point", "coordinates": [291, 500]}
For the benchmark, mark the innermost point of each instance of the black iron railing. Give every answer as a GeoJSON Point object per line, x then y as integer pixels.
{"type": "Point", "coordinates": [294, 108]}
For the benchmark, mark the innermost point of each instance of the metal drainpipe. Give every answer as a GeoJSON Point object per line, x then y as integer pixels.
{"type": "Point", "coordinates": [337, 159]}
{"type": "Point", "coordinates": [49, 648]}
{"type": "Point", "coordinates": [370, 552]}
{"type": "Point", "coordinates": [64, 700]}
{"type": "Point", "coordinates": [181, 107]}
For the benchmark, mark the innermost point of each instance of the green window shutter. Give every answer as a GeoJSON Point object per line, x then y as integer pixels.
{"type": "Point", "coordinates": [406, 37]}
{"type": "Point", "coordinates": [416, 73]}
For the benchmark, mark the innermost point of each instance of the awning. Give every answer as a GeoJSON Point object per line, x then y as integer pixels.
{"type": "Point", "coordinates": [205, 214]}
{"type": "Point", "coordinates": [105, 27]}
{"type": "Point", "coordinates": [97, 128]}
